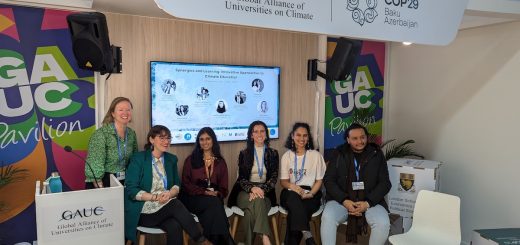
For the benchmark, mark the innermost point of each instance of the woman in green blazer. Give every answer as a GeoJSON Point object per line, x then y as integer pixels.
{"type": "Point", "coordinates": [152, 186]}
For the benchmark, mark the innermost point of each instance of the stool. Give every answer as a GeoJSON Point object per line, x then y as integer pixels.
{"type": "Point", "coordinates": [143, 231]}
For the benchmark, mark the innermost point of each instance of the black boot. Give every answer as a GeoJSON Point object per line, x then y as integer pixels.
{"type": "Point", "coordinates": [213, 239]}
{"type": "Point", "coordinates": [294, 238]}
{"type": "Point", "coordinates": [228, 239]}
{"type": "Point", "coordinates": [310, 241]}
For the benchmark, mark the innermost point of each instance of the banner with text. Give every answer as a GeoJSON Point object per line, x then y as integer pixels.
{"type": "Point", "coordinates": [419, 21]}
{"type": "Point", "coordinates": [359, 98]}
{"type": "Point", "coordinates": [81, 217]}
{"type": "Point", "coordinates": [46, 103]}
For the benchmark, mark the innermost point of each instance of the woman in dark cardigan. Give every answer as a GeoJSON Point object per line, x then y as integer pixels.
{"type": "Point", "coordinates": [254, 191]}
{"type": "Point", "coordinates": [205, 185]}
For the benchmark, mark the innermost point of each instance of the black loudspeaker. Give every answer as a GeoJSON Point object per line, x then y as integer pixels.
{"type": "Point", "coordinates": [343, 58]}
{"type": "Point", "coordinates": [312, 70]}
{"type": "Point", "coordinates": [90, 42]}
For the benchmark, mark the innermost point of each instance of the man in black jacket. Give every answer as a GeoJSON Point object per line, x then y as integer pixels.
{"type": "Point", "coordinates": [356, 182]}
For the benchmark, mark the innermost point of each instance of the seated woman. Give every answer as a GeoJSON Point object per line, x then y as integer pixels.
{"type": "Point", "coordinates": [205, 185]}
{"type": "Point", "coordinates": [254, 190]}
{"type": "Point", "coordinates": [152, 185]}
{"type": "Point", "coordinates": [301, 173]}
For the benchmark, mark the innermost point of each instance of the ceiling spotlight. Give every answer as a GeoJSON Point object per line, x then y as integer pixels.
{"type": "Point", "coordinates": [407, 43]}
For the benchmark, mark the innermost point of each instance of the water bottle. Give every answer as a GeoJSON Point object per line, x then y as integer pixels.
{"type": "Point", "coordinates": [55, 182]}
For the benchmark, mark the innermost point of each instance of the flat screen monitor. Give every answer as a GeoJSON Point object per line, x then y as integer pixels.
{"type": "Point", "coordinates": [186, 97]}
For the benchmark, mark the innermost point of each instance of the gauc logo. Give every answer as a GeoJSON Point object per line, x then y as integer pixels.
{"type": "Point", "coordinates": [81, 213]}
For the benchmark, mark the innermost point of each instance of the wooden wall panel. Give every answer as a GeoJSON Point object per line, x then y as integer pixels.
{"type": "Point", "coordinates": [144, 39]}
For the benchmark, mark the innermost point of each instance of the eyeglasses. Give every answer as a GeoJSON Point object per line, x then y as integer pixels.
{"type": "Point", "coordinates": [165, 138]}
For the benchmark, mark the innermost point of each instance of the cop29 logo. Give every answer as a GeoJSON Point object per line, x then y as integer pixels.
{"type": "Point", "coordinates": [361, 16]}
{"type": "Point", "coordinates": [368, 13]}
{"type": "Point", "coordinates": [411, 4]}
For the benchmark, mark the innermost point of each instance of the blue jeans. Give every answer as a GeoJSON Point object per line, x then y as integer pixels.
{"type": "Point", "coordinates": [335, 214]}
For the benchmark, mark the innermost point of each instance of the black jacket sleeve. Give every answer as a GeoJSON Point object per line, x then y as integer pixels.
{"type": "Point", "coordinates": [378, 193]}
{"type": "Point", "coordinates": [332, 179]}
{"type": "Point", "coordinates": [244, 170]}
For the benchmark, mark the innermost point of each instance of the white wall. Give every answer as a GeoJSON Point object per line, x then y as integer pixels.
{"type": "Point", "coordinates": [461, 104]}
{"type": "Point", "coordinates": [494, 6]}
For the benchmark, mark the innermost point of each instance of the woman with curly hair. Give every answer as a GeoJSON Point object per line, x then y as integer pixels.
{"type": "Point", "coordinates": [301, 176]}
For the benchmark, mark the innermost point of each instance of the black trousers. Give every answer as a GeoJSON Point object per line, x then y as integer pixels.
{"type": "Point", "coordinates": [299, 213]}
{"type": "Point", "coordinates": [173, 218]}
{"type": "Point", "coordinates": [212, 216]}
{"type": "Point", "coordinates": [211, 213]}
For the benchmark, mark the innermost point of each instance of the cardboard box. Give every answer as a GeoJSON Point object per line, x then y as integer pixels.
{"type": "Point", "coordinates": [396, 224]}
{"type": "Point", "coordinates": [407, 223]}
{"type": "Point", "coordinates": [408, 177]}
{"type": "Point", "coordinates": [505, 236]}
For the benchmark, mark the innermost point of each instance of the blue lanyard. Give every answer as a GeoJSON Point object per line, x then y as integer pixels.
{"type": "Point", "coordinates": [121, 154]}
{"type": "Point", "coordinates": [163, 177]}
{"type": "Point", "coordinates": [260, 166]}
{"type": "Point", "coordinates": [296, 178]}
{"type": "Point", "coordinates": [356, 167]}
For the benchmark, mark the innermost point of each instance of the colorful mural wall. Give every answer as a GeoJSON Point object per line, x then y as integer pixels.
{"type": "Point", "coordinates": [359, 98]}
{"type": "Point", "coordinates": [46, 103]}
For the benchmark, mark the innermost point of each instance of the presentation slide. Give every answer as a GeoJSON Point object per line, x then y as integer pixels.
{"type": "Point", "coordinates": [186, 97]}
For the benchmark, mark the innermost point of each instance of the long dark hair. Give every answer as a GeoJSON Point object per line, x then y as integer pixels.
{"type": "Point", "coordinates": [250, 146]}
{"type": "Point", "coordinates": [197, 154]}
{"type": "Point", "coordinates": [250, 140]}
{"type": "Point", "coordinates": [289, 143]}
{"type": "Point", "coordinates": [154, 131]}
